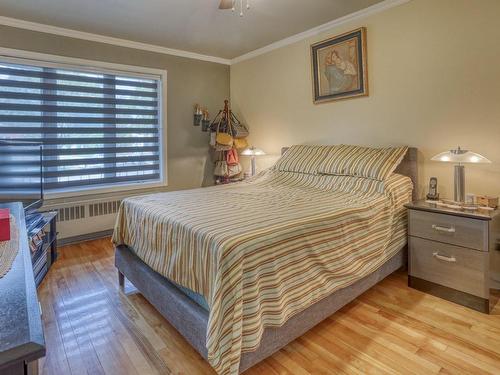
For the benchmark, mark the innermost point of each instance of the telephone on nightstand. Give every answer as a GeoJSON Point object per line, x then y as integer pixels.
{"type": "Point", "coordinates": [433, 194]}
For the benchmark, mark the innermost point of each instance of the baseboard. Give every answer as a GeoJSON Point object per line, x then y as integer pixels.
{"type": "Point", "coordinates": [84, 237]}
{"type": "Point", "coordinates": [453, 295]}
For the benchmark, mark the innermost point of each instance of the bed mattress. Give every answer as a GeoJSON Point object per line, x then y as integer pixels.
{"type": "Point", "coordinates": [263, 250]}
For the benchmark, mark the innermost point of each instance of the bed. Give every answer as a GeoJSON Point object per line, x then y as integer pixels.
{"type": "Point", "coordinates": [242, 270]}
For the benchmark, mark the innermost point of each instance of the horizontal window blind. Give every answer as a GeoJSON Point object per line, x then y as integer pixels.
{"type": "Point", "coordinates": [20, 171]}
{"type": "Point", "coordinates": [96, 128]}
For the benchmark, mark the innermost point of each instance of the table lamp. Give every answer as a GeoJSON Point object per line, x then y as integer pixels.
{"type": "Point", "coordinates": [460, 157]}
{"type": "Point", "coordinates": [253, 152]}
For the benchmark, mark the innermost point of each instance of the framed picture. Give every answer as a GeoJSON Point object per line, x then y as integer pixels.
{"type": "Point", "coordinates": [339, 69]}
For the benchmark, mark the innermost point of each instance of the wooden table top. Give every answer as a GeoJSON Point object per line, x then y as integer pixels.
{"type": "Point", "coordinates": [423, 205]}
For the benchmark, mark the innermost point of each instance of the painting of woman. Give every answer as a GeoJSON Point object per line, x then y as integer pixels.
{"type": "Point", "coordinates": [340, 73]}
{"type": "Point", "coordinates": [339, 67]}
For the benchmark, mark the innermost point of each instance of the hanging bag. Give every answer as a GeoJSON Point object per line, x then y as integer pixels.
{"type": "Point", "coordinates": [219, 147]}
{"type": "Point", "coordinates": [238, 129]}
{"type": "Point", "coordinates": [224, 138]}
{"type": "Point", "coordinates": [232, 157]}
{"type": "Point", "coordinates": [240, 143]}
{"type": "Point", "coordinates": [233, 170]}
{"type": "Point", "coordinates": [221, 169]}
{"type": "Point", "coordinates": [223, 141]}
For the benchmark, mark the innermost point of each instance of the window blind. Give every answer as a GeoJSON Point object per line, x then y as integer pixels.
{"type": "Point", "coordinates": [96, 128]}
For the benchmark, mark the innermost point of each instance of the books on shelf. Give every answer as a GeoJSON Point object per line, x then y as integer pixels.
{"type": "Point", "coordinates": [33, 219]}
{"type": "Point", "coordinates": [36, 240]}
{"type": "Point", "coordinates": [42, 238]}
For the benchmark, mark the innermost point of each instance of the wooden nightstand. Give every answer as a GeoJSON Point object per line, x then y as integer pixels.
{"type": "Point", "coordinates": [453, 254]}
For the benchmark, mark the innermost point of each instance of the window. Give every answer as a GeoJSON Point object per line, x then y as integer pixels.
{"type": "Point", "coordinates": [99, 128]}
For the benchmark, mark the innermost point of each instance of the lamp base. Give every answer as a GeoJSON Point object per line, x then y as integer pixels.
{"type": "Point", "coordinates": [459, 190]}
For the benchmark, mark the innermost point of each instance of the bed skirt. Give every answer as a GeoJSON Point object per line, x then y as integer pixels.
{"type": "Point", "coordinates": [191, 320]}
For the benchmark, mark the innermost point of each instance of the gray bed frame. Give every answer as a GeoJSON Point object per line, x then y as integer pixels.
{"type": "Point", "coordinates": [191, 320]}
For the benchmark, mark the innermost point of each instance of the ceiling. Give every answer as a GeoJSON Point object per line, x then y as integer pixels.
{"type": "Point", "coordinates": [191, 25]}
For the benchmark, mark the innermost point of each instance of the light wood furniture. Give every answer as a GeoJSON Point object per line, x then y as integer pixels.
{"type": "Point", "coordinates": [93, 327]}
{"type": "Point", "coordinates": [453, 253]}
{"type": "Point", "coordinates": [21, 336]}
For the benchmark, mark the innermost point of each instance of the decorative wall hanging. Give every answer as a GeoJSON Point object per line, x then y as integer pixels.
{"type": "Point", "coordinates": [205, 121]}
{"type": "Point", "coordinates": [227, 137]}
{"type": "Point", "coordinates": [339, 68]}
{"type": "Point", "coordinates": [228, 134]}
{"type": "Point", "coordinates": [198, 114]}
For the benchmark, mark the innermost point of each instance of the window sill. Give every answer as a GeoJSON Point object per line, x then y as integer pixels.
{"type": "Point", "coordinates": [85, 193]}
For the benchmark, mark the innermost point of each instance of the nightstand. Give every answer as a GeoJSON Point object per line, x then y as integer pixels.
{"type": "Point", "coordinates": [453, 254]}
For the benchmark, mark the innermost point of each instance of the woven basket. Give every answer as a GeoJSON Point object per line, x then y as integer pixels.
{"type": "Point", "coordinates": [9, 249]}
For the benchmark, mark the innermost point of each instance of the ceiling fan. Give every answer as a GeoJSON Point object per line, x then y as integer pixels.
{"type": "Point", "coordinates": [231, 4]}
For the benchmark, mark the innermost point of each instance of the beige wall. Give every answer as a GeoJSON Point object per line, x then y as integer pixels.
{"type": "Point", "coordinates": [189, 81]}
{"type": "Point", "coordinates": [434, 84]}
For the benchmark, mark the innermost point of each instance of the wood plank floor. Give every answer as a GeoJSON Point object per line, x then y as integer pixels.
{"type": "Point", "coordinates": [91, 327]}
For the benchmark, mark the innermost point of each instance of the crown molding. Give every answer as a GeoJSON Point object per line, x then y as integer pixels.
{"type": "Point", "coordinates": [34, 26]}
{"type": "Point", "coordinates": [376, 8]}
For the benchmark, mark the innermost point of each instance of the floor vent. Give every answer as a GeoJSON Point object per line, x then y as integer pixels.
{"type": "Point", "coordinates": [104, 208]}
{"type": "Point", "coordinates": [71, 213]}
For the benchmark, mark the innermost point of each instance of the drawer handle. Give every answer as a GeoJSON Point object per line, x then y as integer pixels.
{"type": "Point", "coordinates": [445, 258]}
{"type": "Point", "coordinates": [443, 229]}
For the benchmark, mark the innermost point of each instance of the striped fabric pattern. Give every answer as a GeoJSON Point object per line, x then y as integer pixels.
{"type": "Point", "coordinates": [263, 250]}
{"type": "Point", "coordinates": [302, 159]}
{"type": "Point", "coordinates": [375, 163]}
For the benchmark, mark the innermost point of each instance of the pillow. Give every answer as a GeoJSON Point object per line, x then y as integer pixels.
{"type": "Point", "coordinates": [302, 159]}
{"type": "Point", "coordinates": [374, 163]}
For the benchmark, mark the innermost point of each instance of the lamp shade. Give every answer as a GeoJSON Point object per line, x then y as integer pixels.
{"type": "Point", "coordinates": [460, 156]}
{"type": "Point", "coordinates": [252, 151]}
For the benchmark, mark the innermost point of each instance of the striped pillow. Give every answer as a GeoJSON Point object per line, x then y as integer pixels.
{"type": "Point", "coordinates": [303, 159]}
{"type": "Point", "coordinates": [375, 163]}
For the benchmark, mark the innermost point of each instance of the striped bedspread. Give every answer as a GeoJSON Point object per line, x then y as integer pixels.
{"type": "Point", "coordinates": [263, 250]}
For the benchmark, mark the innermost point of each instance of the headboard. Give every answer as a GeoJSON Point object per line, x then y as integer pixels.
{"type": "Point", "coordinates": [407, 167]}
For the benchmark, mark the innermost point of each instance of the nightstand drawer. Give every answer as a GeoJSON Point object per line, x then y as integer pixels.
{"type": "Point", "coordinates": [456, 230]}
{"type": "Point", "coordinates": [448, 265]}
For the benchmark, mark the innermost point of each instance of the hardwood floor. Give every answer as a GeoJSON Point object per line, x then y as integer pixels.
{"type": "Point", "coordinates": [91, 327]}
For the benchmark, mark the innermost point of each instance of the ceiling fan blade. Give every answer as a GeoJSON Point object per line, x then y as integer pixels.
{"type": "Point", "coordinates": [226, 4]}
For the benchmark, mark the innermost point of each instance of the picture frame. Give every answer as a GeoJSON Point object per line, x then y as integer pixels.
{"type": "Point", "coordinates": [339, 67]}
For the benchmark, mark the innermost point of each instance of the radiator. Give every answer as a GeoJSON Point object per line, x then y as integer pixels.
{"type": "Point", "coordinates": [80, 219]}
